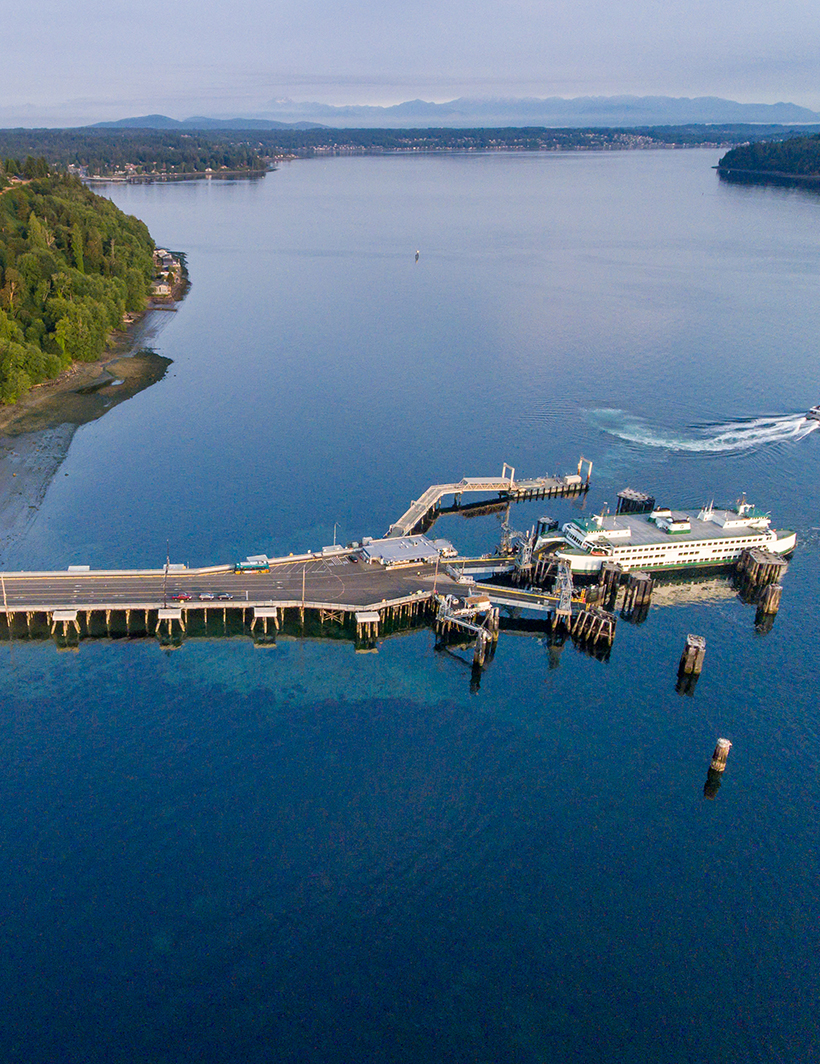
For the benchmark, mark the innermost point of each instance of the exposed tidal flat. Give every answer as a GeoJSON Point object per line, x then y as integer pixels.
{"type": "Point", "coordinates": [221, 852]}
{"type": "Point", "coordinates": [36, 432]}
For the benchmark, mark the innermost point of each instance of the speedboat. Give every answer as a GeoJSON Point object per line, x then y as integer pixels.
{"type": "Point", "coordinates": [813, 413]}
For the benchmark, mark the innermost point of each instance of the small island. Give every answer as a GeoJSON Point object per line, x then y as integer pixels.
{"type": "Point", "coordinates": [73, 270]}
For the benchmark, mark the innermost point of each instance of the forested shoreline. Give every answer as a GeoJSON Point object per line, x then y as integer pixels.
{"type": "Point", "coordinates": [141, 152]}
{"type": "Point", "coordinates": [71, 266]}
{"type": "Point", "coordinates": [798, 157]}
{"type": "Point", "coordinates": [160, 154]}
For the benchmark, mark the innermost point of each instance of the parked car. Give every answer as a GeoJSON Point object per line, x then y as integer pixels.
{"type": "Point", "coordinates": [223, 596]}
{"type": "Point", "coordinates": [206, 596]}
{"type": "Point", "coordinates": [181, 596]}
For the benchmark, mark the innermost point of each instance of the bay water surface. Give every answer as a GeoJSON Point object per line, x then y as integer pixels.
{"type": "Point", "coordinates": [303, 853]}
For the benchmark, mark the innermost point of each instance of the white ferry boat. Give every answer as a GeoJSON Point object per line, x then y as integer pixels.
{"type": "Point", "coordinates": [670, 539]}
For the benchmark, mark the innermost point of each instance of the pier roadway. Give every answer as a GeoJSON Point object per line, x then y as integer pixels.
{"type": "Point", "coordinates": [329, 582]}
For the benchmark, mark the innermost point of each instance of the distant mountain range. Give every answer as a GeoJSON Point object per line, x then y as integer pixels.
{"type": "Point", "coordinates": [467, 113]}
{"type": "Point", "coordinates": [552, 111]}
{"type": "Point", "coordinates": [200, 123]}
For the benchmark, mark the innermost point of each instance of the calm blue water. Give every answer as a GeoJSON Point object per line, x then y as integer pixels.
{"type": "Point", "coordinates": [220, 854]}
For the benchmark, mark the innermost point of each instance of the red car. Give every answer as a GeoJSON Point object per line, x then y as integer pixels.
{"type": "Point", "coordinates": [181, 596]}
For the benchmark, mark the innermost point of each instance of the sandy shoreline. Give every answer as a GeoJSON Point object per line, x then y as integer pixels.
{"type": "Point", "coordinates": [36, 433]}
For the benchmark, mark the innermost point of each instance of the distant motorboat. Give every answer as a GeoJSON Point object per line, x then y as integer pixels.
{"type": "Point", "coordinates": [813, 413]}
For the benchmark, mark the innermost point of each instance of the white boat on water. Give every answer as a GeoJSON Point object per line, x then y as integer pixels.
{"type": "Point", "coordinates": [813, 413]}
{"type": "Point", "coordinates": [670, 539]}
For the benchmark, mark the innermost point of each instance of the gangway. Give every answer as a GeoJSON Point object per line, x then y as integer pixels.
{"type": "Point", "coordinates": [506, 486]}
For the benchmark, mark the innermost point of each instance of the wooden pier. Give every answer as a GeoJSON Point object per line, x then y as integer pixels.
{"type": "Point", "coordinates": [338, 596]}
{"type": "Point", "coordinates": [339, 587]}
{"type": "Point", "coordinates": [352, 594]}
{"type": "Point", "coordinates": [506, 487]}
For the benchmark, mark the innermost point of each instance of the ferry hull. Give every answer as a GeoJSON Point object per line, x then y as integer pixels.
{"type": "Point", "coordinates": [583, 564]}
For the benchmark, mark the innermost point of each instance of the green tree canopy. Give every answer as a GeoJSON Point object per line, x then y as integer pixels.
{"type": "Point", "coordinates": [71, 265]}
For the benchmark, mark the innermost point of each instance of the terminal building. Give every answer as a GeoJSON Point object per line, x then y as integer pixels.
{"type": "Point", "coordinates": [404, 550]}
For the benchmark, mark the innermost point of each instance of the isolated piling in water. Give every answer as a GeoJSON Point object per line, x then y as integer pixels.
{"type": "Point", "coordinates": [720, 755]}
{"type": "Point", "coordinates": [691, 661]}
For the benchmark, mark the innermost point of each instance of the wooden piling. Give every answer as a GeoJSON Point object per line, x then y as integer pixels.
{"type": "Point", "coordinates": [770, 599]}
{"type": "Point", "coordinates": [720, 755]}
{"type": "Point", "coordinates": [594, 626]}
{"type": "Point", "coordinates": [634, 502]}
{"type": "Point", "coordinates": [638, 592]}
{"type": "Point", "coordinates": [609, 579]}
{"type": "Point", "coordinates": [691, 661]}
{"type": "Point", "coordinates": [760, 567]}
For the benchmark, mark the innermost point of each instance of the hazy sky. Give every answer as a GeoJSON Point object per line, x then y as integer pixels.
{"type": "Point", "coordinates": [87, 60]}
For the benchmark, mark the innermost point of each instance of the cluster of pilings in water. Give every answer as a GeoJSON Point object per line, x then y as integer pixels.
{"type": "Point", "coordinates": [637, 595]}
{"type": "Point", "coordinates": [587, 620]}
{"type": "Point", "coordinates": [757, 574]}
{"type": "Point", "coordinates": [593, 626]}
{"type": "Point", "coordinates": [590, 623]}
{"type": "Point", "coordinates": [634, 502]}
{"type": "Point", "coordinates": [376, 623]}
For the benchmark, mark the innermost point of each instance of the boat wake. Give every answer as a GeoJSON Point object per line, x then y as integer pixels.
{"type": "Point", "coordinates": [733, 437]}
